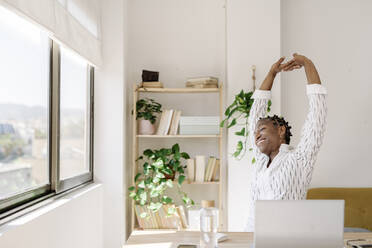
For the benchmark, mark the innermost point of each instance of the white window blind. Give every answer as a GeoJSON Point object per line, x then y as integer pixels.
{"type": "Point", "coordinates": [75, 23]}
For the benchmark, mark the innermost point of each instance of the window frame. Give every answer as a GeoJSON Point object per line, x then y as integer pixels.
{"type": "Point", "coordinates": [58, 184]}
{"type": "Point", "coordinates": [30, 197]}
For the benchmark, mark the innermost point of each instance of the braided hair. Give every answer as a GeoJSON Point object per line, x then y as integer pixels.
{"type": "Point", "coordinates": [279, 121]}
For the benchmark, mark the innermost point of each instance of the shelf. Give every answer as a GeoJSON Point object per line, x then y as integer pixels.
{"type": "Point", "coordinates": [180, 136]}
{"type": "Point", "coordinates": [179, 90]}
{"type": "Point", "coordinates": [203, 183]}
{"type": "Point", "coordinates": [198, 183]}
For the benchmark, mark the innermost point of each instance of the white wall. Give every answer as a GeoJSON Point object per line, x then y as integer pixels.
{"type": "Point", "coordinates": [109, 126]}
{"type": "Point", "coordinates": [188, 38]}
{"type": "Point", "coordinates": [253, 38]}
{"type": "Point", "coordinates": [337, 36]}
{"type": "Point", "coordinates": [73, 221]}
{"type": "Point", "coordinates": [180, 39]}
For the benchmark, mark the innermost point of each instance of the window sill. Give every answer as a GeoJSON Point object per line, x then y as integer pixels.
{"type": "Point", "coordinates": [33, 212]}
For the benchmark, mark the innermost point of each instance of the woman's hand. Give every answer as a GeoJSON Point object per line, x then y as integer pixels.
{"type": "Point", "coordinates": [300, 61]}
{"type": "Point", "coordinates": [296, 63]}
{"type": "Point", "coordinates": [277, 67]}
{"type": "Point", "coordinates": [267, 84]}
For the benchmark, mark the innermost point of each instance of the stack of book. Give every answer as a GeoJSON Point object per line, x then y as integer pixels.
{"type": "Point", "coordinates": [202, 82]}
{"type": "Point", "coordinates": [169, 122]}
{"type": "Point", "coordinates": [152, 85]}
{"type": "Point", "coordinates": [160, 219]}
{"type": "Point", "coordinates": [199, 125]}
{"type": "Point", "coordinates": [199, 171]}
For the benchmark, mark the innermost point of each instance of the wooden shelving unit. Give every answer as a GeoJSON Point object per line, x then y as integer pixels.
{"type": "Point", "coordinates": [136, 138]}
{"type": "Point", "coordinates": [178, 136]}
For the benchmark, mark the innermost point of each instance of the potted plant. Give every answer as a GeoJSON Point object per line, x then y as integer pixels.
{"type": "Point", "coordinates": [160, 168]}
{"type": "Point", "coordinates": [237, 114]}
{"type": "Point", "coordinates": [146, 109]}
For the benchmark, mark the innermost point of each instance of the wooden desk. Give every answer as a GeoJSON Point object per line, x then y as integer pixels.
{"type": "Point", "coordinates": [171, 239]}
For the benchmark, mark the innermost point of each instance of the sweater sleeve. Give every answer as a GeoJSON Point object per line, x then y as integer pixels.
{"type": "Point", "coordinates": [313, 130]}
{"type": "Point", "coordinates": [258, 110]}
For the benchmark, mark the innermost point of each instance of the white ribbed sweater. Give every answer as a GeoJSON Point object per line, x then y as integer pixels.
{"type": "Point", "coordinates": [289, 174]}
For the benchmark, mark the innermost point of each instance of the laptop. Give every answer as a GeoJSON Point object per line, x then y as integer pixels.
{"type": "Point", "coordinates": [303, 223]}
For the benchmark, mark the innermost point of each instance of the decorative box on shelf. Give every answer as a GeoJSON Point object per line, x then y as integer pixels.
{"type": "Point", "coordinates": [190, 125]}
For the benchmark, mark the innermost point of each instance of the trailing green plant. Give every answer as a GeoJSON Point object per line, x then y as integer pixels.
{"type": "Point", "coordinates": [159, 169]}
{"type": "Point", "coordinates": [146, 108]}
{"type": "Point", "coordinates": [237, 114]}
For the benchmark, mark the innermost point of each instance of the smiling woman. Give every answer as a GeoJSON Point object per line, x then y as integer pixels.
{"type": "Point", "coordinates": [282, 172]}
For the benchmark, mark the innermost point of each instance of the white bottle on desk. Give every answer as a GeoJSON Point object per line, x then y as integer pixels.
{"type": "Point", "coordinates": [208, 225]}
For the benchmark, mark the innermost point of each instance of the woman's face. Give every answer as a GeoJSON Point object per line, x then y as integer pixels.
{"type": "Point", "coordinates": [268, 136]}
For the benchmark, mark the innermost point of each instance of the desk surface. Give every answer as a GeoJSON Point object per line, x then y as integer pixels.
{"type": "Point", "coordinates": [171, 239]}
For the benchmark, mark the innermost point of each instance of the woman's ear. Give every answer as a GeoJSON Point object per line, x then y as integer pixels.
{"type": "Point", "coordinates": [282, 132]}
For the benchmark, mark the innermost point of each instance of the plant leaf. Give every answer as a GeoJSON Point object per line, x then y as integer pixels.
{"type": "Point", "coordinates": [177, 156]}
{"type": "Point", "coordinates": [136, 177]}
{"type": "Point", "coordinates": [176, 148]}
{"type": "Point", "coordinates": [269, 106]}
{"type": "Point", "coordinates": [143, 214]}
{"type": "Point", "coordinates": [253, 160]}
{"type": "Point", "coordinates": [227, 111]}
{"type": "Point", "coordinates": [171, 210]}
{"type": "Point", "coordinates": [222, 123]}
{"type": "Point", "coordinates": [141, 184]}
{"type": "Point", "coordinates": [154, 193]}
{"type": "Point", "coordinates": [241, 132]}
{"type": "Point", "coordinates": [232, 123]}
{"type": "Point", "coordinates": [155, 206]}
{"type": "Point", "coordinates": [181, 178]}
{"type": "Point", "coordinates": [166, 200]}
{"type": "Point", "coordinates": [186, 200]}
{"type": "Point", "coordinates": [169, 183]}
{"type": "Point", "coordinates": [131, 188]}
{"type": "Point", "coordinates": [148, 152]}
{"type": "Point", "coordinates": [158, 163]}
{"type": "Point", "coordinates": [239, 148]}
{"type": "Point", "coordinates": [159, 175]}
{"type": "Point", "coordinates": [185, 155]}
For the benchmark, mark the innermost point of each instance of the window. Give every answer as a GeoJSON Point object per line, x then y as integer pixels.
{"type": "Point", "coordinates": [45, 115]}
{"type": "Point", "coordinates": [75, 118]}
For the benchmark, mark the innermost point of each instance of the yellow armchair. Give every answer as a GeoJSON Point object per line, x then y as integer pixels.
{"type": "Point", "coordinates": [358, 204]}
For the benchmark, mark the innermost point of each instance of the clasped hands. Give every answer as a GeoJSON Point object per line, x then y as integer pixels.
{"type": "Point", "coordinates": [296, 62]}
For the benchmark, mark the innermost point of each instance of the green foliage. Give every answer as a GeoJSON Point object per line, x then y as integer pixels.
{"type": "Point", "coordinates": [11, 146]}
{"type": "Point", "coordinates": [146, 108]}
{"type": "Point", "coordinates": [237, 114]}
{"type": "Point", "coordinates": [159, 167]}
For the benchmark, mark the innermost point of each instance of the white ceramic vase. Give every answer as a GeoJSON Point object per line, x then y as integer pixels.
{"type": "Point", "coordinates": [145, 127]}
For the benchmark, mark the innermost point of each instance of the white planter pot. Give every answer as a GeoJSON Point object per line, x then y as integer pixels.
{"type": "Point", "coordinates": [145, 127]}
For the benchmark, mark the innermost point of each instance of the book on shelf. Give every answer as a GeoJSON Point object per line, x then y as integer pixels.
{"type": "Point", "coordinates": [173, 130]}
{"type": "Point", "coordinates": [199, 168]}
{"type": "Point", "coordinates": [216, 171]}
{"type": "Point", "coordinates": [165, 121]}
{"type": "Point", "coordinates": [205, 172]}
{"type": "Point", "coordinates": [202, 82]}
{"type": "Point", "coordinates": [191, 169]}
{"type": "Point", "coordinates": [169, 122]}
{"type": "Point", "coordinates": [209, 169]}
{"type": "Point", "coordinates": [182, 214]}
{"type": "Point", "coordinates": [161, 219]}
{"type": "Point", "coordinates": [152, 85]}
